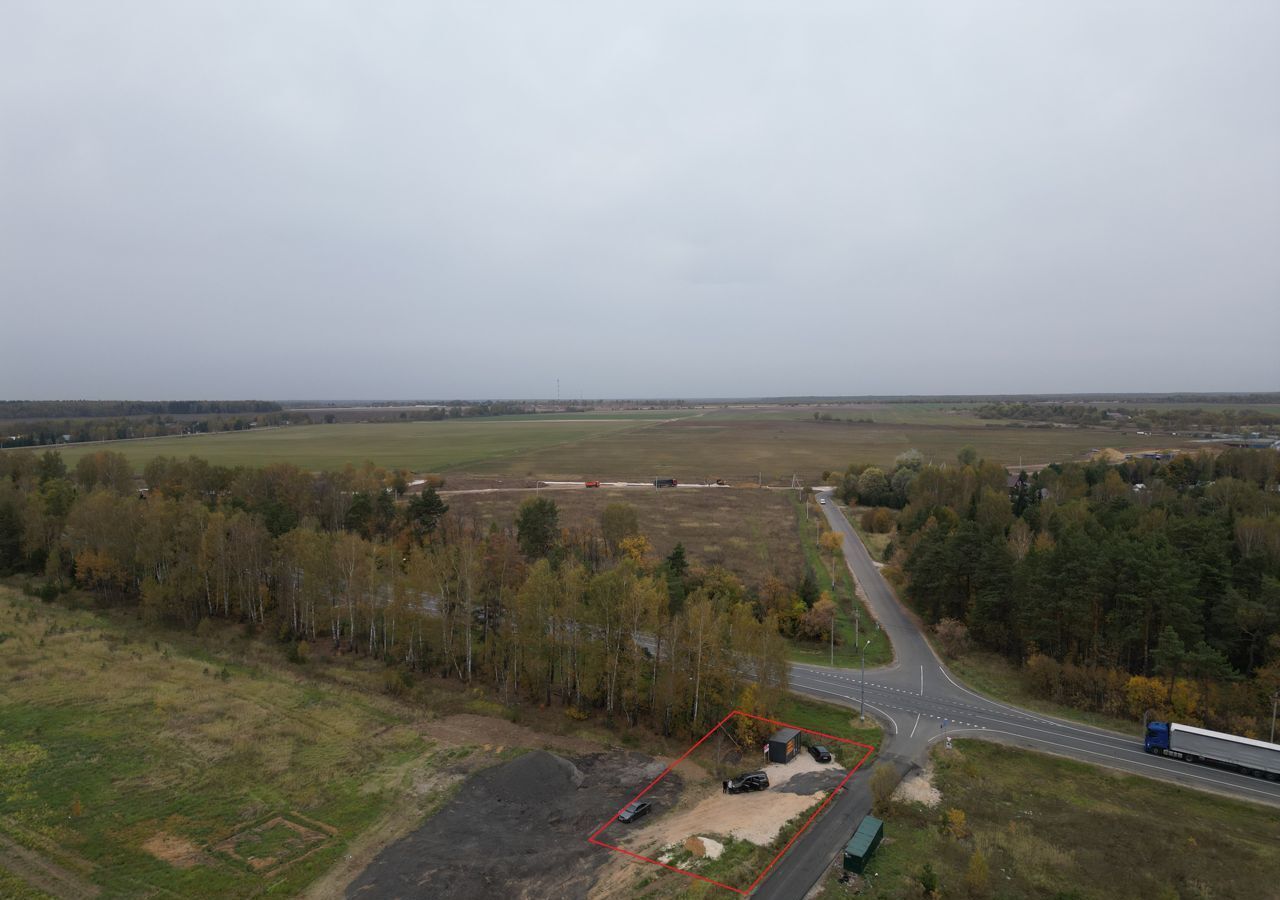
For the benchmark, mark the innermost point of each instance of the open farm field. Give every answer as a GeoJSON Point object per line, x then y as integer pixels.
{"type": "Point", "coordinates": [750, 532]}
{"type": "Point", "coordinates": [1054, 828]}
{"type": "Point", "coordinates": [882, 413]}
{"type": "Point", "coordinates": [133, 765]}
{"type": "Point", "coordinates": [417, 446]}
{"type": "Point", "coordinates": [347, 414]}
{"type": "Point", "coordinates": [713, 444]}
{"type": "Point", "coordinates": [717, 446]}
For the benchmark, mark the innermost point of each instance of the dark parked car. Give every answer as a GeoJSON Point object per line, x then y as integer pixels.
{"type": "Point", "coordinates": [820, 753]}
{"type": "Point", "coordinates": [751, 781]}
{"type": "Point", "coordinates": [634, 811]}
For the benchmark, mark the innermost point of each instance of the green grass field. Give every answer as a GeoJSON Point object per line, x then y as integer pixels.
{"type": "Point", "coordinates": [1062, 830]}
{"type": "Point", "coordinates": [736, 444]}
{"type": "Point", "coordinates": [142, 766]}
{"type": "Point", "coordinates": [417, 446]}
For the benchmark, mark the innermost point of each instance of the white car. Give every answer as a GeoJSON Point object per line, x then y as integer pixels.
{"type": "Point", "coordinates": [822, 500]}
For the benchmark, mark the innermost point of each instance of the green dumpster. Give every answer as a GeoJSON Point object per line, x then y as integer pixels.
{"type": "Point", "coordinates": [863, 843]}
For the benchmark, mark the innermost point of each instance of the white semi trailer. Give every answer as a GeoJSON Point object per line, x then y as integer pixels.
{"type": "Point", "coordinates": [1193, 744]}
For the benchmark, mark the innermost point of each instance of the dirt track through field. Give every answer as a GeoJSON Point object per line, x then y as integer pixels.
{"type": "Point", "coordinates": [42, 874]}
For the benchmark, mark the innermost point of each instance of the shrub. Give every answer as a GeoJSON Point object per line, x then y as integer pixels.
{"type": "Point", "coordinates": [953, 636]}
{"type": "Point", "coordinates": [883, 780]}
{"type": "Point", "coordinates": [878, 520]}
{"type": "Point", "coordinates": [977, 876]}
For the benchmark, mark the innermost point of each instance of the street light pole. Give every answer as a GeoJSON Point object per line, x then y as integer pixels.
{"type": "Point", "coordinates": [1275, 699]}
{"type": "Point", "coordinates": [862, 653]}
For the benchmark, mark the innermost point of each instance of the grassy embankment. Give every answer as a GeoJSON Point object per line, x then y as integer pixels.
{"type": "Point", "coordinates": [848, 603]}
{"type": "Point", "coordinates": [875, 542]}
{"type": "Point", "coordinates": [1054, 828]}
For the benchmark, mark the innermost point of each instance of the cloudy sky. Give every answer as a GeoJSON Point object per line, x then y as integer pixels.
{"type": "Point", "coordinates": [473, 199]}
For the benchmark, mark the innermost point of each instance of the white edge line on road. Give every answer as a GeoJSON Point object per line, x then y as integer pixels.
{"type": "Point", "coordinates": [997, 703]}
{"type": "Point", "coordinates": [914, 727]}
{"type": "Point", "coordinates": [922, 679]}
{"type": "Point", "coordinates": [1164, 769]}
{"type": "Point", "coordinates": [893, 722]}
{"type": "Point", "coordinates": [1115, 753]}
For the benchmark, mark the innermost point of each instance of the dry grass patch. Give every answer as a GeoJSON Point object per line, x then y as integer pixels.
{"type": "Point", "coordinates": [752, 533]}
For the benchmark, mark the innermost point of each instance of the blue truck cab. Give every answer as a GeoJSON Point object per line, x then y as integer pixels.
{"type": "Point", "coordinates": [1157, 737]}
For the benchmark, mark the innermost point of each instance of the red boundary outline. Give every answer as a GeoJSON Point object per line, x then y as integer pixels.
{"type": "Point", "coordinates": [751, 887]}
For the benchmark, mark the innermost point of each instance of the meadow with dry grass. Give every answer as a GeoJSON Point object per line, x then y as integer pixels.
{"type": "Point", "coordinates": [740, 444]}
{"type": "Point", "coordinates": [750, 532]}
{"type": "Point", "coordinates": [134, 763]}
{"type": "Point", "coordinates": [1046, 827]}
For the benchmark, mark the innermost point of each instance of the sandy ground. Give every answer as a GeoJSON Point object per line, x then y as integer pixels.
{"type": "Point", "coordinates": [919, 789]}
{"type": "Point", "coordinates": [755, 817]}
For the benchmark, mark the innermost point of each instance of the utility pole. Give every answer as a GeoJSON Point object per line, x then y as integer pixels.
{"type": "Point", "coordinates": [832, 629]}
{"type": "Point", "coordinates": [1275, 699]}
{"type": "Point", "coordinates": [862, 652]}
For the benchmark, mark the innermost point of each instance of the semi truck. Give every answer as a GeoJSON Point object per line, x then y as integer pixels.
{"type": "Point", "coordinates": [664, 482]}
{"type": "Point", "coordinates": [1186, 742]}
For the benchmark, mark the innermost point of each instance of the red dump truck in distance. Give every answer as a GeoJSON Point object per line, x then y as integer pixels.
{"type": "Point", "coordinates": [593, 484]}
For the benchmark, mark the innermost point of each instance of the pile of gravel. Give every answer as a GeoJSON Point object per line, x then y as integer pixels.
{"type": "Point", "coordinates": [516, 830]}
{"type": "Point", "coordinates": [535, 779]}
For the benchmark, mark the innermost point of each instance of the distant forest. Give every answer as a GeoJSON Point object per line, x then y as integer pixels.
{"type": "Point", "coordinates": [90, 409]}
{"type": "Point", "coordinates": [1191, 419]}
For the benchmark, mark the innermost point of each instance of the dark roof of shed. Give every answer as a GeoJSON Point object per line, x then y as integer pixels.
{"type": "Point", "coordinates": [862, 838]}
{"type": "Point", "coordinates": [785, 734]}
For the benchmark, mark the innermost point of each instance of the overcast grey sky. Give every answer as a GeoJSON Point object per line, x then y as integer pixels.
{"type": "Point", "coordinates": [472, 199]}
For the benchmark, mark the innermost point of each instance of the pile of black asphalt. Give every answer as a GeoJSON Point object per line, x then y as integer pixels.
{"type": "Point", "coordinates": [517, 830]}
{"type": "Point", "coordinates": [811, 782]}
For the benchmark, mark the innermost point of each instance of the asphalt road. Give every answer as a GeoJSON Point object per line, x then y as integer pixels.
{"type": "Point", "coordinates": [920, 702]}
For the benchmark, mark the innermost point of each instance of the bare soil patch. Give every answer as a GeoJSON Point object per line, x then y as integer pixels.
{"type": "Point", "coordinates": [919, 789]}
{"type": "Point", "coordinates": [755, 817]}
{"type": "Point", "coordinates": [470, 730]}
{"type": "Point", "coordinates": [176, 851]}
{"type": "Point", "coordinates": [516, 830]}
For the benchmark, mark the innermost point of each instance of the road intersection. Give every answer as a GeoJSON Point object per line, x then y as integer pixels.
{"type": "Point", "coordinates": [920, 702]}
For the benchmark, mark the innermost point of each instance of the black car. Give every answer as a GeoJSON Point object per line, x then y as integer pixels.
{"type": "Point", "coordinates": [634, 811]}
{"type": "Point", "coordinates": [750, 781]}
{"type": "Point", "coordinates": [820, 753]}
